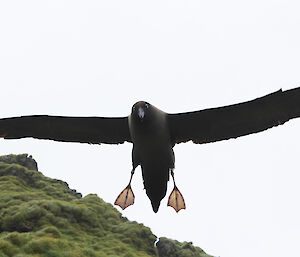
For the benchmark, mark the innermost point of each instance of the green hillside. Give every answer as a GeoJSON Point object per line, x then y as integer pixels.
{"type": "Point", "coordinates": [40, 216]}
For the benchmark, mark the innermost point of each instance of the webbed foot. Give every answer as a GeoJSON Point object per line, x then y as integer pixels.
{"type": "Point", "coordinates": [176, 200]}
{"type": "Point", "coordinates": [125, 198]}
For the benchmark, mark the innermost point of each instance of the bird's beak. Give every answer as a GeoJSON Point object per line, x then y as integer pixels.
{"type": "Point", "coordinates": [141, 113]}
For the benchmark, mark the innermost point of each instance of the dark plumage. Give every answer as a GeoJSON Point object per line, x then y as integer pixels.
{"type": "Point", "coordinates": [154, 133]}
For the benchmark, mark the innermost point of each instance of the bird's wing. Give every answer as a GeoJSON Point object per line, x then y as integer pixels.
{"type": "Point", "coordinates": [93, 130]}
{"type": "Point", "coordinates": [211, 125]}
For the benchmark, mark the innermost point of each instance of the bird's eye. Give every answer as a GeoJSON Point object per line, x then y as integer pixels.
{"type": "Point", "coordinates": [147, 105]}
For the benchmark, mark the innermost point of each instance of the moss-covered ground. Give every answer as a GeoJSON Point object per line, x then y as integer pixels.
{"type": "Point", "coordinates": [40, 216]}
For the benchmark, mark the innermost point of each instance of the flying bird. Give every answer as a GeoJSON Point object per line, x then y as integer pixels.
{"type": "Point", "coordinates": [154, 133]}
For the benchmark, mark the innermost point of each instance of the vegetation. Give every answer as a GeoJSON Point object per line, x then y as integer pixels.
{"type": "Point", "coordinates": [168, 247]}
{"type": "Point", "coordinates": [40, 216]}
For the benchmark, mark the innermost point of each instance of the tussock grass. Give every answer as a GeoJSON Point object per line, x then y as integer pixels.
{"type": "Point", "coordinates": [40, 216]}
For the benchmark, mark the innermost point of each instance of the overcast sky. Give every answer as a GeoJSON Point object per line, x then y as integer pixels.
{"type": "Point", "coordinates": [97, 58]}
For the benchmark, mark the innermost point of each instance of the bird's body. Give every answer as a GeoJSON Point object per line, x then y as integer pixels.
{"type": "Point", "coordinates": [152, 149]}
{"type": "Point", "coordinates": [154, 133]}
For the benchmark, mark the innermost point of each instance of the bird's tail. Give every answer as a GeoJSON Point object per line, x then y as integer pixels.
{"type": "Point", "coordinates": [155, 184]}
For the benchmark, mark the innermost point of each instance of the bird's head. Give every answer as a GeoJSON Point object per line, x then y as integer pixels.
{"type": "Point", "coordinates": [140, 110]}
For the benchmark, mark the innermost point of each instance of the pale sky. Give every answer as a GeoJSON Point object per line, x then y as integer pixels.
{"type": "Point", "coordinates": [97, 58]}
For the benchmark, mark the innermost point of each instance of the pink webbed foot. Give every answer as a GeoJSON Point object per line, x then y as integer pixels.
{"type": "Point", "coordinates": [176, 200]}
{"type": "Point", "coordinates": [125, 198]}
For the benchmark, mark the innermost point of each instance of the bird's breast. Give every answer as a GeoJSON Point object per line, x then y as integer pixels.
{"type": "Point", "coordinates": [151, 131]}
{"type": "Point", "coordinates": [151, 139]}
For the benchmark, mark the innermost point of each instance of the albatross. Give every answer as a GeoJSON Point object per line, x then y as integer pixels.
{"type": "Point", "coordinates": [153, 134]}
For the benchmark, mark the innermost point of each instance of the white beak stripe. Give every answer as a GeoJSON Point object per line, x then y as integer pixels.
{"type": "Point", "coordinates": [141, 113]}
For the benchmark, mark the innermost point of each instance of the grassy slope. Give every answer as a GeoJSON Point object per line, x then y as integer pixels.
{"type": "Point", "coordinates": [40, 216]}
